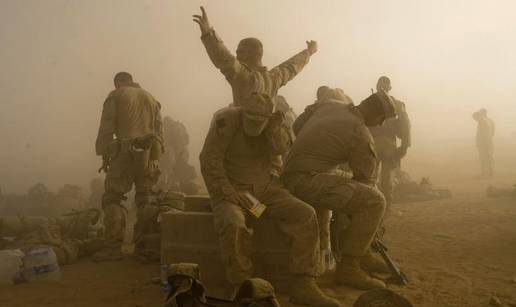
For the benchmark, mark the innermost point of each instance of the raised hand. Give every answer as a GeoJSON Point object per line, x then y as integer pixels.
{"type": "Point", "coordinates": [311, 46]}
{"type": "Point", "coordinates": [202, 21]}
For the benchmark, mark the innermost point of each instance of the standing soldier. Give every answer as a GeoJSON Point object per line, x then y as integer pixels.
{"type": "Point", "coordinates": [385, 138]}
{"type": "Point", "coordinates": [485, 134]}
{"type": "Point", "coordinates": [130, 143]}
{"type": "Point", "coordinates": [334, 134]}
{"type": "Point", "coordinates": [177, 173]}
{"type": "Point", "coordinates": [236, 165]}
{"type": "Point", "coordinates": [245, 73]}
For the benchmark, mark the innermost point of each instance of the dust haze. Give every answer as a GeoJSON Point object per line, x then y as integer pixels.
{"type": "Point", "coordinates": [446, 59]}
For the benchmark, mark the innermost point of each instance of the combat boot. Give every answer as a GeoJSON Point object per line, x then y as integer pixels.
{"type": "Point", "coordinates": [371, 263]}
{"type": "Point", "coordinates": [304, 291]}
{"type": "Point", "coordinates": [350, 274]}
{"type": "Point", "coordinates": [114, 223]}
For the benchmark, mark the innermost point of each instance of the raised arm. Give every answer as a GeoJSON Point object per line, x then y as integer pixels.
{"type": "Point", "coordinates": [220, 56]}
{"type": "Point", "coordinates": [287, 70]}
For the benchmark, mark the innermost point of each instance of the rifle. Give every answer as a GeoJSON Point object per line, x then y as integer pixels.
{"type": "Point", "coordinates": [398, 277]}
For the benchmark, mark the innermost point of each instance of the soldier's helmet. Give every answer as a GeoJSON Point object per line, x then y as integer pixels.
{"type": "Point", "coordinates": [382, 102]}
{"type": "Point", "coordinates": [257, 110]}
{"type": "Point", "coordinates": [256, 292]}
{"type": "Point", "coordinates": [381, 297]}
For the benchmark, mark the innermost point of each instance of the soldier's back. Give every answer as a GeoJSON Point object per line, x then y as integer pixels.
{"type": "Point", "coordinates": [136, 112]}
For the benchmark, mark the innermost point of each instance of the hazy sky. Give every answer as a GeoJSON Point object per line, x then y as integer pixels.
{"type": "Point", "coordinates": [58, 57]}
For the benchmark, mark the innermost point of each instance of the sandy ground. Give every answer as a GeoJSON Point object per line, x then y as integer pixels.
{"type": "Point", "coordinates": [456, 252]}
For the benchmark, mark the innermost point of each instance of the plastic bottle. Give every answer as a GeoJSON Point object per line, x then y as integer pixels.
{"type": "Point", "coordinates": [40, 264]}
{"type": "Point", "coordinates": [10, 266]}
{"type": "Point", "coordinates": [165, 286]}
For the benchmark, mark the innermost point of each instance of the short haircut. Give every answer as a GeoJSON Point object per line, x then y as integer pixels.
{"type": "Point", "coordinates": [123, 77]}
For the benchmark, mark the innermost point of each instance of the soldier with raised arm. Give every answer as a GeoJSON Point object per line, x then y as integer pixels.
{"type": "Point", "coordinates": [245, 72]}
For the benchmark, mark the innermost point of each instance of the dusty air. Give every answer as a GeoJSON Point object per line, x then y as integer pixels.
{"type": "Point", "coordinates": [258, 153]}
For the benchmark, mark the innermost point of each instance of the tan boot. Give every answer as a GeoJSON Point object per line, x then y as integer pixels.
{"type": "Point", "coordinates": [349, 273]}
{"type": "Point", "coordinates": [114, 224]}
{"type": "Point", "coordinates": [304, 291]}
{"type": "Point", "coordinates": [372, 263]}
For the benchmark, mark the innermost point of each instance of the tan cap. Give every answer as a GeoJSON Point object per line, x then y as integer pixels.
{"type": "Point", "coordinates": [256, 289]}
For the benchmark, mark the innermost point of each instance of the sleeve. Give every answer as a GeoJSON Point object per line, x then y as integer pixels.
{"type": "Point", "coordinates": [287, 70]}
{"type": "Point", "coordinates": [220, 56]}
{"type": "Point", "coordinates": [403, 125]}
{"type": "Point", "coordinates": [212, 156]}
{"type": "Point", "coordinates": [158, 125]}
{"type": "Point", "coordinates": [107, 127]}
{"type": "Point", "coordinates": [362, 159]}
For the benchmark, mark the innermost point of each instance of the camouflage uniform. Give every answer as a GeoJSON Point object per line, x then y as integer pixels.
{"type": "Point", "coordinates": [336, 134]}
{"type": "Point", "coordinates": [232, 161]}
{"type": "Point", "coordinates": [178, 174]}
{"type": "Point", "coordinates": [129, 114]}
{"type": "Point", "coordinates": [245, 80]}
{"type": "Point", "coordinates": [385, 138]}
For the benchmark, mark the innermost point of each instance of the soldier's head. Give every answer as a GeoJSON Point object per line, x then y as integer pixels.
{"type": "Point", "coordinates": [122, 79]}
{"type": "Point", "coordinates": [256, 112]}
{"type": "Point", "coordinates": [324, 92]}
{"type": "Point", "coordinates": [250, 51]}
{"type": "Point", "coordinates": [383, 84]}
{"type": "Point", "coordinates": [480, 114]}
{"type": "Point", "coordinates": [377, 108]}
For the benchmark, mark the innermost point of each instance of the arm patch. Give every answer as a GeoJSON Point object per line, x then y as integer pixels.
{"type": "Point", "coordinates": [221, 123]}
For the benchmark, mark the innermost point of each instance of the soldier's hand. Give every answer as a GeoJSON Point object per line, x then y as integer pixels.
{"type": "Point", "coordinates": [311, 46]}
{"type": "Point", "coordinates": [202, 21]}
{"type": "Point", "coordinates": [239, 199]}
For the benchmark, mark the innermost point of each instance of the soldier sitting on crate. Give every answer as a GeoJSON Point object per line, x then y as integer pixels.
{"type": "Point", "coordinates": [239, 163]}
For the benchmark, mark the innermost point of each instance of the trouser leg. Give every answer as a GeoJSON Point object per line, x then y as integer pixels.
{"type": "Point", "coordinates": [363, 205]}
{"type": "Point", "coordinates": [298, 221]}
{"type": "Point", "coordinates": [119, 180]}
{"type": "Point", "coordinates": [235, 241]}
{"type": "Point", "coordinates": [365, 211]}
{"type": "Point", "coordinates": [146, 213]}
{"type": "Point", "coordinates": [386, 181]}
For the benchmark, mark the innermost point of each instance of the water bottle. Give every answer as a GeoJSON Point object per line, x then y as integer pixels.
{"type": "Point", "coordinates": [40, 264]}
{"type": "Point", "coordinates": [165, 286]}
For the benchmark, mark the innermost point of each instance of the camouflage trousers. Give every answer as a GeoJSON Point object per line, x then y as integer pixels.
{"type": "Point", "coordinates": [387, 167]}
{"type": "Point", "coordinates": [296, 219]}
{"type": "Point", "coordinates": [485, 154]}
{"type": "Point", "coordinates": [363, 205]}
{"type": "Point", "coordinates": [124, 172]}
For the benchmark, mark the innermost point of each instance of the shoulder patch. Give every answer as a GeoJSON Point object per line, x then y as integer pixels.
{"type": "Point", "coordinates": [220, 122]}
